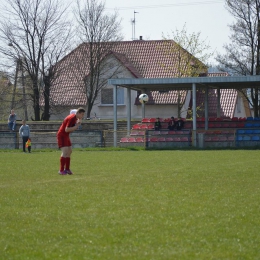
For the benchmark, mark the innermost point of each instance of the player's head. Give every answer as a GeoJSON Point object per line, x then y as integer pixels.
{"type": "Point", "coordinates": [80, 112]}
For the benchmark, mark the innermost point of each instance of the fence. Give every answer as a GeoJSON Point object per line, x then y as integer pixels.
{"type": "Point", "coordinates": [158, 139]}
{"type": "Point", "coordinates": [48, 139]}
{"type": "Point", "coordinates": [142, 138]}
{"type": "Point", "coordinates": [185, 138]}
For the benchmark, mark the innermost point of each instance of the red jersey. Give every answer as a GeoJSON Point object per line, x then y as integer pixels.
{"type": "Point", "coordinates": [69, 121]}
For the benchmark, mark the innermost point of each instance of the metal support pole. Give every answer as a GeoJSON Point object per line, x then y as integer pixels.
{"type": "Point", "coordinates": [194, 114]}
{"type": "Point", "coordinates": [206, 109]}
{"type": "Point", "coordinates": [218, 105]}
{"type": "Point", "coordinates": [143, 110]}
{"type": "Point", "coordinates": [115, 114]}
{"type": "Point", "coordinates": [128, 106]}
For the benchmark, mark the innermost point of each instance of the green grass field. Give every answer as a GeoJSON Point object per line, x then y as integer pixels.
{"type": "Point", "coordinates": [131, 205]}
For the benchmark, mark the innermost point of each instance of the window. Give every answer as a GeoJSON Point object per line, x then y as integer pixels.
{"type": "Point", "coordinates": [107, 96]}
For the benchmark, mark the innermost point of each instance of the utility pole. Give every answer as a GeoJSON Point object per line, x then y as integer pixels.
{"type": "Point", "coordinates": [15, 84]}
{"type": "Point", "coordinates": [24, 94]}
{"type": "Point", "coordinates": [133, 26]}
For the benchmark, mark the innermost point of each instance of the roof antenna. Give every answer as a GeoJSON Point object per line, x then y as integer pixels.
{"type": "Point", "coordinates": [133, 26]}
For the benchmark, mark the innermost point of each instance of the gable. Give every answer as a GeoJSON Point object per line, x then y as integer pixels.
{"type": "Point", "coordinates": [228, 99]}
{"type": "Point", "coordinates": [143, 59]}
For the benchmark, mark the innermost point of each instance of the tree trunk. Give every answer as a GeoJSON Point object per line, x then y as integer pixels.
{"type": "Point", "coordinates": [15, 84]}
{"type": "Point", "coordinates": [256, 106]}
{"type": "Point", "coordinates": [36, 105]}
{"type": "Point", "coordinates": [254, 96]}
{"type": "Point", "coordinates": [89, 108]}
{"type": "Point", "coordinates": [46, 112]}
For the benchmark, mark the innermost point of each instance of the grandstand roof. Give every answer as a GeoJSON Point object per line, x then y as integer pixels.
{"type": "Point", "coordinates": [230, 82]}
{"type": "Point", "coordinates": [226, 84]}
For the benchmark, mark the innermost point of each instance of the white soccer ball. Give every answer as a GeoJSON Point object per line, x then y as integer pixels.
{"type": "Point", "coordinates": [143, 98]}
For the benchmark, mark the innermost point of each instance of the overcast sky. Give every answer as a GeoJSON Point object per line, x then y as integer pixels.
{"type": "Point", "coordinates": [157, 17]}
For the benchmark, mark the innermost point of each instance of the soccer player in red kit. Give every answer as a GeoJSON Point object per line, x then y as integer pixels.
{"type": "Point", "coordinates": [69, 125]}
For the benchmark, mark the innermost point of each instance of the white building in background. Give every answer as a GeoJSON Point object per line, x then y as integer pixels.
{"type": "Point", "coordinates": [136, 59]}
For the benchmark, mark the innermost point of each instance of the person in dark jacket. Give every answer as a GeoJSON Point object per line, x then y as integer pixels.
{"type": "Point", "coordinates": [179, 124]}
{"type": "Point", "coordinates": [157, 124]}
{"type": "Point", "coordinates": [171, 124]}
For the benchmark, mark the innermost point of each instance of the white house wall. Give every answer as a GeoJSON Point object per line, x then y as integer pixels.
{"type": "Point", "coordinates": [239, 108]}
{"type": "Point", "coordinates": [107, 111]}
{"type": "Point", "coordinates": [185, 106]}
{"type": "Point", "coordinates": [162, 111]}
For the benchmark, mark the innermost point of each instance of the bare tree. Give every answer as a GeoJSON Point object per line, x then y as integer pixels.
{"type": "Point", "coordinates": [36, 31]}
{"type": "Point", "coordinates": [5, 95]}
{"type": "Point", "coordinates": [243, 52]}
{"type": "Point", "coordinates": [57, 48]}
{"type": "Point", "coordinates": [192, 55]}
{"type": "Point", "coordinates": [95, 64]}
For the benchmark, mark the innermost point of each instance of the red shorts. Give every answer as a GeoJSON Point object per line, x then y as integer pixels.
{"type": "Point", "coordinates": [63, 140]}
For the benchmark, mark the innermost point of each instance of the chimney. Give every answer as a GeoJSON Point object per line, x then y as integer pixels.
{"type": "Point", "coordinates": [140, 38]}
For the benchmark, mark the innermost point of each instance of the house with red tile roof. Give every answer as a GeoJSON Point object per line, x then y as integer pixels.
{"type": "Point", "coordinates": [136, 59]}
{"type": "Point", "coordinates": [232, 102]}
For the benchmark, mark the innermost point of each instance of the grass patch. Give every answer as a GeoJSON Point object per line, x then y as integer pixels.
{"type": "Point", "coordinates": [131, 205]}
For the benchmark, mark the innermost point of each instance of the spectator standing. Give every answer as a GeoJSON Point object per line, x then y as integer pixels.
{"type": "Point", "coordinates": [171, 124]}
{"type": "Point", "coordinates": [157, 124]}
{"type": "Point", "coordinates": [24, 132]}
{"type": "Point", "coordinates": [71, 123]}
{"type": "Point", "coordinates": [179, 124]}
{"type": "Point", "coordinates": [12, 121]}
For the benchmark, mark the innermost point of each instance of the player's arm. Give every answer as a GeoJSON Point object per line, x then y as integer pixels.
{"type": "Point", "coordinates": [70, 129]}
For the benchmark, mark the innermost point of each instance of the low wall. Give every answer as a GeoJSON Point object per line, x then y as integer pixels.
{"type": "Point", "coordinates": [92, 133]}
{"type": "Point", "coordinates": [8, 140]}
{"type": "Point", "coordinates": [54, 126]}
{"type": "Point", "coordinates": [42, 140]}
{"type": "Point", "coordinates": [101, 134]}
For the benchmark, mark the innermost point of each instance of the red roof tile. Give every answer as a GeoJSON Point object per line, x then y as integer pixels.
{"type": "Point", "coordinates": [143, 59]}
{"type": "Point", "coordinates": [228, 98]}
